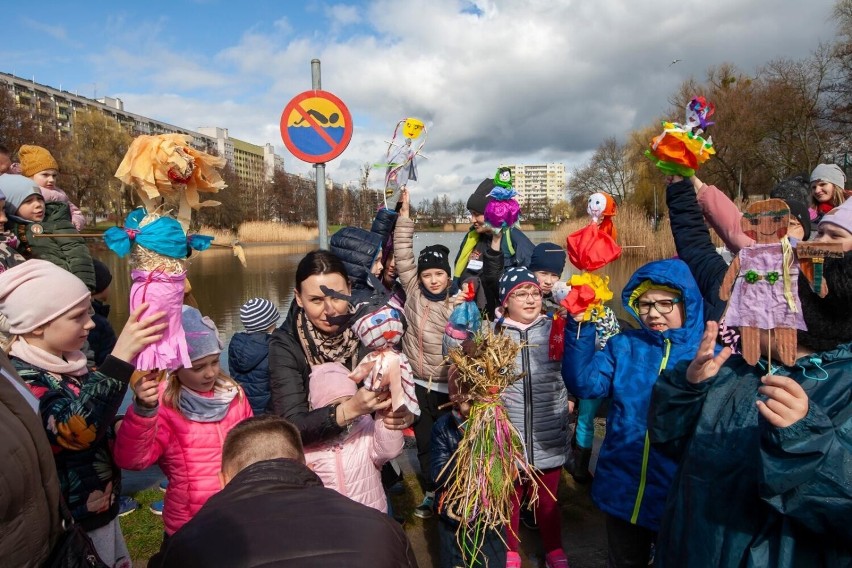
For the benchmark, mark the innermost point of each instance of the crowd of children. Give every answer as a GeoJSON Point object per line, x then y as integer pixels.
{"type": "Point", "coordinates": [706, 461]}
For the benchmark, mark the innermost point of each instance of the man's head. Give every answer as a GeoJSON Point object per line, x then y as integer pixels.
{"type": "Point", "coordinates": [258, 439]}
{"type": "Point", "coordinates": [476, 205]}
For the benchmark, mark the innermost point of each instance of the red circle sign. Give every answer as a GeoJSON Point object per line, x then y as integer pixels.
{"type": "Point", "coordinates": [316, 126]}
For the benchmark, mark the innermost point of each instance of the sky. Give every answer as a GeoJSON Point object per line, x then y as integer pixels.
{"type": "Point", "coordinates": [495, 81]}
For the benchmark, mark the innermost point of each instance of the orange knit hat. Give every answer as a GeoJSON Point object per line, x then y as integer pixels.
{"type": "Point", "coordinates": [35, 159]}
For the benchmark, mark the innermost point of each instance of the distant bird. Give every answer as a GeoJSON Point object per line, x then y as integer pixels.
{"type": "Point", "coordinates": [674, 61]}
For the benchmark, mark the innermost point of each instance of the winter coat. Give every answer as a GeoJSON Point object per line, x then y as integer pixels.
{"type": "Point", "coordinates": [188, 452]}
{"type": "Point", "coordinates": [29, 499]}
{"type": "Point", "coordinates": [694, 247]}
{"type": "Point", "coordinates": [102, 337]}
{"type": "Point", "coordinates": [522, 245]}
{"type": "Point", "coordinates": [78, 413]}
{"type": "Point", "coordinates": [632, 478]}
{"type": "Point", "coordinates": [277, 513]}
{"type": "Point", "coordinates": [248, 362]}
{"type": "Point", "coordinates": [422, 342]}
{"type": "Point", "coordinates": [289, 377]}
{"type": "Point", "coordinates": [56, 194]}
{"type": "Point", "coordinates": [9, 255]}
{"type": "Point", "coordinates": [358, 249]}
{"type": "Point", "coordinates": [537, 403]}
{"type": "Point", "coordinates": [748, 493]}
{"type": "Point", "coordinates": [70, 253]}
{"type": "Point", "coordinates": [447, 434]}
{"type": "Point", "coordinates": [351, 464]}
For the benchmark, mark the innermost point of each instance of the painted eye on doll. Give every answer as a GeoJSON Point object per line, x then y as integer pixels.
{"type": "Point", "coordinates": [503, 370]}
{"type": "Point", "coordinates": [394, 314]}
{"type": "Point", "coordinates": [480, 370]}
{"type": "Point", "coordinates": [378, 320]}
{"type": "Point", "coordinates": [754, 221]}
{"type": "Point", "coordinates": [777, 218]}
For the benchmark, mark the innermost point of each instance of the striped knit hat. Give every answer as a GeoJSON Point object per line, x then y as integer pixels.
{"type": "Point", "coordinates": [258, 314]}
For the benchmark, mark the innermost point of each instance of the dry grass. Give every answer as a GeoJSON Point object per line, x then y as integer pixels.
{"type": "Point", "coordinates": [635, 233]}
{"type": "Point", "coordinates": [262, 232]}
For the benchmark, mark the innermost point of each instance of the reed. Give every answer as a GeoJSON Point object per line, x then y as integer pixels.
{"type": "Point", "coordinates": [262, 232]}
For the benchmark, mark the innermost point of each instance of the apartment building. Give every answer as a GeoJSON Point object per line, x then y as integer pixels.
{"type": "Point", "coordinates": [540, 182]}
{"type": "Point", "coordinates": [252, 163]}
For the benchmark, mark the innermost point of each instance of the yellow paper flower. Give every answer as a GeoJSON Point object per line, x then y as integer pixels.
{"type": "Point", "coordinates": [600, 285]}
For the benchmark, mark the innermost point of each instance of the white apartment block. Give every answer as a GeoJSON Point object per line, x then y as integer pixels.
{"type": "Point", "coordinates": [539, 182]}
{"type": "Point", "coordinates": [251, 162]}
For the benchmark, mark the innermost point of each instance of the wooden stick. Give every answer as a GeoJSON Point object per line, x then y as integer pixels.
{"type": "Point", "coordinates": [70, 235]}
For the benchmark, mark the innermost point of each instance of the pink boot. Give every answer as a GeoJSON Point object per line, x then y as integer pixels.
{"type": "Point", "coordinates": [513, 559]}
{"type": "Point", "coordinates": [556, 559]}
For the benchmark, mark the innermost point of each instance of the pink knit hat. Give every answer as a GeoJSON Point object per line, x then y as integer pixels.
{"type": "Point", "coordinates": [329, 381]}
{"type": "Point", "coordinates": [840, 216]}
{"type": "Point", "coordinates": [37, 292]}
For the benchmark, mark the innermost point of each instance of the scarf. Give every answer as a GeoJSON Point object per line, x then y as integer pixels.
{"type": "Point", "coordinates": [199, 408]}
{"type": "Point", "coordinates": [450, 290]}
{"type": "Point", "coordinates": [470, 242]}
{"type": "Point", "coordinates": [322, 348]}
{"type": "Point", "coordinates": [72, 363]}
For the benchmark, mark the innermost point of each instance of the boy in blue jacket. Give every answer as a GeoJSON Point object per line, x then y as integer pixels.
{"type": "Point", "coordinates": [248, 353]}
{"type": "Point", "coordinates": [632, 479]}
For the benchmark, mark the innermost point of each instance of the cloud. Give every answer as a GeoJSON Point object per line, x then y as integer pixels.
{"type": "Point", "coordinates": [57, 32]}
{"type": "Point", "coordinates": [508, 81]}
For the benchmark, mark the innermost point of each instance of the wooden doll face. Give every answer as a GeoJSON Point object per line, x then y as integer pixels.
{"type": "Point", "coordinates": [766, 221]}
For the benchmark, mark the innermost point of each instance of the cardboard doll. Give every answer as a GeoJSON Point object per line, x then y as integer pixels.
{"type": "Point", "coordinates": [761, 285]}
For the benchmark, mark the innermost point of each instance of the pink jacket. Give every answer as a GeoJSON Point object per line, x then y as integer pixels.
{"type": "Point", "coordinates": [189, 453]}
{"type": "Point", "coordinates": [722, 214]}
{"type": "Point", "coordinates": [351, 463]}
{"type": "Point", "coordinates": [56, 194]}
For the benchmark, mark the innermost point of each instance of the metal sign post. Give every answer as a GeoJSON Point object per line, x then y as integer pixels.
{"type": "Point", "coordinates": [322, 213]}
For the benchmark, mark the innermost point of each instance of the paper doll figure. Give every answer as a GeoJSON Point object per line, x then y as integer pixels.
{"type": "Point", "coordinates": [158, 249]}
{"type": "Point", "coordinates": [680, 149]}
{"type": "Point", "coordinates": [762, 285]}
{"type": "Point", "coordinates": [602, 208]}
{"type": "Point", "coordinates": [384, 368]}
{"type": "Point", "coordinates": [401, 159]}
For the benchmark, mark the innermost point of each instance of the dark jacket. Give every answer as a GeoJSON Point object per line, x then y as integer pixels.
{"type": "Point", "coordinates": [694, 247]}
{"type": "Point", "coordinates": [632, 478]}
{"type": "Point", "coordinates": [358, 249]}
{"type": "Point", "coordinates": [277, 513]}
{"type": "Point", "coordinates": [523, 248]}
{"type": "Point", "coordinates": [289, 374]}
{"type": "Point", "coordinates": [248, 362]}
{"type": "Point", "coordinates": [102, 337]}
{"type": "Point", "coordinates": [29, 498]}
{"type": "Point", "coordinates": [748, 493]}
{"type": "Point", "coordinates": [70, 253]}
{"type": "Point", "coordinates": [446, 436]}
{"type": "Point", "coordinates": [78, 413]}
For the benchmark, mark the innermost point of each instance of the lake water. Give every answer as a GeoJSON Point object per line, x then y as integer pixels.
{"type": "Point", "coordinates": [221, 284]}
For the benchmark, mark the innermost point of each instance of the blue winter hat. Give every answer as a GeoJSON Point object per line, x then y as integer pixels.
{"type": "Point", "coordinates": [16, 190]}
{"type": "Point", "coordinates": [548, 257]}
{"type": "Point", "coordinates": [202, 337]}
{"type": "Point", "coordinates": [513, 277]}
{"type": "Point", "coordinates": [258, 314]}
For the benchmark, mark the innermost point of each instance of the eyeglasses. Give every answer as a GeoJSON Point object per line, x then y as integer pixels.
{"type": "Point", "coordinates": [526, 296]}
{"type": "Point", "coordinates": [662, 306]}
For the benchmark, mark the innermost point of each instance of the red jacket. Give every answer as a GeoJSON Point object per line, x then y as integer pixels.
{"type": "Point", "coordinates": [188, 452]}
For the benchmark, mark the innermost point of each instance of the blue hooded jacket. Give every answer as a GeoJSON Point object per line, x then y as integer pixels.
{"type": "Point", "coordinates": [632, 479]}
{"type": "Point", "coordinates": [248, 361]}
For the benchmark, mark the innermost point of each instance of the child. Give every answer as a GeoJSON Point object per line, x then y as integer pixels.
{"type": "Point", "coordinates": [537, 405]}
{"type": "Point", "coordinates": [180, 423]}
{"type": "Point", "coordinates": [9, 256]}
{"type": "Point", "coordinates": [248, 353]}
{"type": "Point", "coordinates": [29, 216]}
{"type": "Point", "coordinates": [632, 479]}
{"type": "Point", "coordinates": [102, 337]}
{"type": "Point", "coordinates": [38, 164]}
{"type": "Point", "coordinates": [764, 451]}
{"type": "Point", "coordinates": [427, 310]}
{"type": "Point", "coordinates": [77, 406]}
{"type": "Point", "coordinates": [827, 188]}
{"type": "Point", "coordinates": [548, 263]}
{"type": "Point", "coordinates": [446, 435]}
{"type": "Point", "coordinates": [351, 463]}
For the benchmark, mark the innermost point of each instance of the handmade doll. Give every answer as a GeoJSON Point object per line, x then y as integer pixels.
{"type": "Point", "coordinates": [401, 159]}
{"type": "Point", "coordinates": [761, 285]}
{"type": "Point", "coordinates": [158, 249]}
{"type": "Point", "coordinates": [680, 149]}
{"type": "Point", "coordinates": [491, 455]}
{"type": "Point", "coordinates": [380, 328]}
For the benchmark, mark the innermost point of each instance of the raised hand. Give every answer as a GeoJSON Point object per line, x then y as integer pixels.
{"type": "Point", "coordinates": [138, 333]}
{"type": "Point", "coordinates": [405, 199]}
{"type": "Point", "coordinates": [786, 401]}
{"type": "Point", "coordinates": [705, 365]}
{"type": "Point", "coordinates": [146, 390]}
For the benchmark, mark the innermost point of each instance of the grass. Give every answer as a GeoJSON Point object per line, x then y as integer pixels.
{"type": "Point", "coordinates": [143, 530]}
